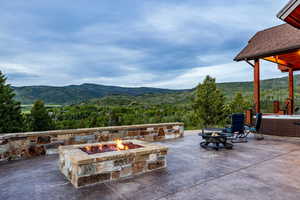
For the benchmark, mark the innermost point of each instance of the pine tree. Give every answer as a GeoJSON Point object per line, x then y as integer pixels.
{"type": "Point", "coordinates": [239, 104]}
{"type": "Point", "coordinates": [209, 104]}
{"type": "Point", "coordinates": [40, 119]}
{"type": "Point", "coordinates": [10, 110]}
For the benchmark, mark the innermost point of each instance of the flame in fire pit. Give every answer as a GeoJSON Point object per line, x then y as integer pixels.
{"type": "Point", "coordinates": [120, 145]}
{"type": "Point", "coordinates": [88, 148]}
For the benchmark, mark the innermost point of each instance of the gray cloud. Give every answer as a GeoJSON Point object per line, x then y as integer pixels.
{"type": "Point", "coordinates": [122, 42]}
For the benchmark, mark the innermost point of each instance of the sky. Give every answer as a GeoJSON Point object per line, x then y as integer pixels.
{"type": "Point", "coordinates": [155, 43]}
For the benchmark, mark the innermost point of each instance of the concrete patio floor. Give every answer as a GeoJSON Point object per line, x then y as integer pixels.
{"type": "Point", "coordinates": [262, 170]}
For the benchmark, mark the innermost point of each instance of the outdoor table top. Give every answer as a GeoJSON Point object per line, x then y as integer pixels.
{"type": "Point", "coordinates": [213, 130]}
{"type": "Point", "coordinates": [207, 132]}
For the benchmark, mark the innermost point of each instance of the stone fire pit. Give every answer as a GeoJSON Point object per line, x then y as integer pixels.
{"type": "Point", "coordinates": [88, 164]}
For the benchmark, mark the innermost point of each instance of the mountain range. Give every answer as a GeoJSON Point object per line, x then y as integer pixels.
{"type": "Point", "coordinates": [73, 94]}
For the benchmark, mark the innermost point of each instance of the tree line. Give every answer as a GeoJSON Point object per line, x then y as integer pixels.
{"type": "Point", "coordinates": [208, 107]}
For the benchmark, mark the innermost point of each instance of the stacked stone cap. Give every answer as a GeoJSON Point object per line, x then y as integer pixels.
{"type": "Point", "coordinates": [78, 156]}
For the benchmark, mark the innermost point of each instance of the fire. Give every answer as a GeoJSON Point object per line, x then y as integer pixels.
{"type": "Point", "coordinates": [88, 148]}
{"type": "Point", "coordinates": [117, 145]}
{"type": "Point", "coordinates": [120, 145]}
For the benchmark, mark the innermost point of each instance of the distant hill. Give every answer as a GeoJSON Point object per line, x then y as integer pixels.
{"type": "Point", "coordinates": [73, 94]}
{"type": "Point", "coordinates": [268, 84]}
{"type": "Point", "coordinates": [78, 93]}
{"type": "Point", "coordinates": [183, 97]}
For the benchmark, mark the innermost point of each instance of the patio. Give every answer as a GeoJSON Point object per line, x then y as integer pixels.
{"type": "Point", "coordinates": [267, 169]}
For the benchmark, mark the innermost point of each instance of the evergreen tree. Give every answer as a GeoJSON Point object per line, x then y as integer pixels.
{"type": "Point", "coordinates": [40, 119]}
{"type": "Point", "coordinates": [209, 104]}
{"type": "Point", "coordinates": [10, 110]}
{"type": "Point", "coordinates": [239, 104]}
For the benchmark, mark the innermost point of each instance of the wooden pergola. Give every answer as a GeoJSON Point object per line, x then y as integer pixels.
{"type": "Point", "coordinates": [280, 45]}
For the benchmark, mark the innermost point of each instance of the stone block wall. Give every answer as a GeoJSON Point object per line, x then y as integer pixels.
{"type": "Point", "coordinates": [16, 146]}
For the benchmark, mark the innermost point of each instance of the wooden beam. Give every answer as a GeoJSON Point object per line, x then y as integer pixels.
{"type": "Point", "coordinates": [283, 68]}
{"type": "Point", "coordinates": [291, 92]}
{"type": "Point", "coordinates": [247, 61]}
{"type": "Point", "coordinates": [257, 85]}
{"type": "Point", "coordinates": [275, 59]}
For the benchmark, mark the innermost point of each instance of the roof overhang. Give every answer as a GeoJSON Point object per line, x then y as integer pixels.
{"type": "Point", "coordinates": [270, 54]}
{"type": "Point", "coordinates": [286, 61]}
{"type": "Point", "coordinates": [282, 41]}
{"type": "Point", "coordinates": [291, 13]}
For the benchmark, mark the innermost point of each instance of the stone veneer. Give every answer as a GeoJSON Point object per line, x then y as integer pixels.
{"type": "Point", "coordinates": [16, 146]}
{"type": "Point", "coordinates": [82, 169]}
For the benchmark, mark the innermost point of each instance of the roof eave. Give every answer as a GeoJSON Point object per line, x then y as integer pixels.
{"type": "Point", "coordinates": [271, 53]}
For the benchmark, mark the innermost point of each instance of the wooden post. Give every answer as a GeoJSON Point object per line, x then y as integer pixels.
{"type": "Point", "coordinates": [291, 92]}
{"type": "Point", "coordinates": [249, 117]}
{"type": "Point", "coordinates": [276, 107]}
{"type": "Point", "coordinates": [256, 86]}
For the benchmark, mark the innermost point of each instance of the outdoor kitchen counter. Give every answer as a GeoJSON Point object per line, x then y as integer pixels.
{"type": "Point", "coordinates": [281, 125]}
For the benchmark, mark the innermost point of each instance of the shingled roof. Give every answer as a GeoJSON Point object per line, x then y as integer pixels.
{"type": "Point", "coordinates": [273, 41]}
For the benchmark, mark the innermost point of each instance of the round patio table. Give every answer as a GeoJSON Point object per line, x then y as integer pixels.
{"type": "Point", "coordinates": [213, 138]}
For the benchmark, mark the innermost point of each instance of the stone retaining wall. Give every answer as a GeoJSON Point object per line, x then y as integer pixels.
{"type": "Point", "coordinates": [29, 144]}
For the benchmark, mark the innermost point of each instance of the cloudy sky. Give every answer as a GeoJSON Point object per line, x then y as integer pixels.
{"type": "Point", "coordinates": [156, 43]}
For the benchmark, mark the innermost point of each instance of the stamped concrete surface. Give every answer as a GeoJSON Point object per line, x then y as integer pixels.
{"type": "Point", "coordinates": [262, 170]}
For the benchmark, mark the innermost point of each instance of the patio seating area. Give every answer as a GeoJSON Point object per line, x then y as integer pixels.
{"type": "Point", "coordinates": [258, 169]}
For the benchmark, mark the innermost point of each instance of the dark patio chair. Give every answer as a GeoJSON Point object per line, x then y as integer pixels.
{"type": "Point", "coordinates": [236, 132]}
{"type": "Point", "coordinates": [256, 128]}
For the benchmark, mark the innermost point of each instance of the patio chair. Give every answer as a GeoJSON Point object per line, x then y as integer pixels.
{"type": "Point", "coordinates": [236, 132]}
{"type": "Point", "coordinates": [255, 129]}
